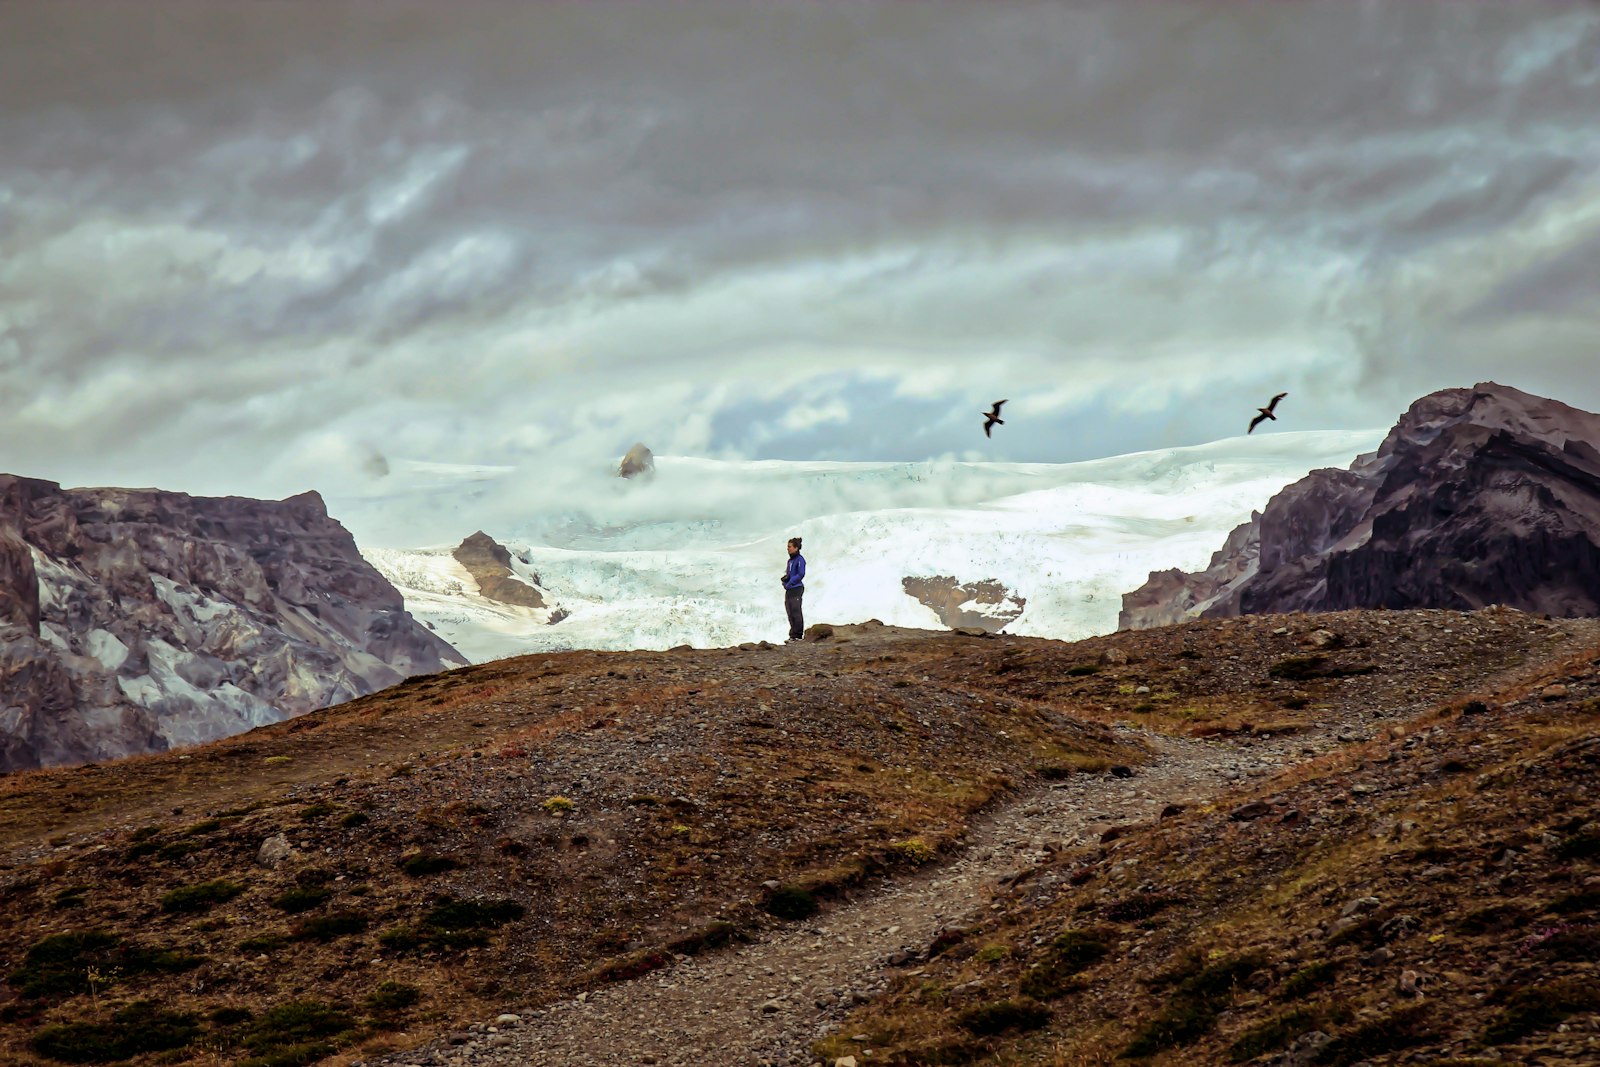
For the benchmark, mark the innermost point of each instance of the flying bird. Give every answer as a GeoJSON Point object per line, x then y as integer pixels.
{"type": "Point", "coordinates": [1266, 413]}
{"type": "Point", "coordinates": [991, 419]}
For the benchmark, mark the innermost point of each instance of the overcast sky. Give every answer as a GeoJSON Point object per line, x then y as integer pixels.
{"type": "Point", "coordinates": [251, 247]}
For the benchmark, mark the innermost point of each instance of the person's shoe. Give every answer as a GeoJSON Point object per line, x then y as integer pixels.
{"type": "Point", "coordinates": [793, 640]}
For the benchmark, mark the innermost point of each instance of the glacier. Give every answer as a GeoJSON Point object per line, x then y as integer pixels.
{"type": "Point", "coordinates": [692, 556]}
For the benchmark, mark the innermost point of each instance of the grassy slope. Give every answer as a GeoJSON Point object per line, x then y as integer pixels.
{"type": "Point", "coordinates": [602, 811]}
{"type": "Point", "coordinates": [1458, 854]}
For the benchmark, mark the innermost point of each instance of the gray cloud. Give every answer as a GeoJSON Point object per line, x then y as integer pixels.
{"type": "Point", "coordinates": [249, 246]}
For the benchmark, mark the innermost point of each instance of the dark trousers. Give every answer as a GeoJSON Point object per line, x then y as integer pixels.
{"type": "Point", "coordinates": [791, 604]}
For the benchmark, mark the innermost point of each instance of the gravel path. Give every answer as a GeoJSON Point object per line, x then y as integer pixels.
{"type": "Point", "coordinates": [764, 1003]}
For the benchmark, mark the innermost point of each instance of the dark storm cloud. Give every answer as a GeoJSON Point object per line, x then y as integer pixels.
{"type": "Point", "coordinates": [247, 246]}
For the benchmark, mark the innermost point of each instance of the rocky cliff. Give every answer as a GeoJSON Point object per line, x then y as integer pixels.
{"type": "Point", "coordinates": [136, 620]}
{"type": "Point", "coordinates": [489, 563]}
{"type": "Point", "coordinates": [1477, 496]}
{"type": "Point", "coordinates": [983, 605]}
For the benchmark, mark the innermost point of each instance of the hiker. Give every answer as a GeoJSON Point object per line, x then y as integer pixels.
{"type": "Point", "coordinates": [794, 588]}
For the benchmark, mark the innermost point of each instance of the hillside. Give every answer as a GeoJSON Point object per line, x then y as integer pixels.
{"type": "Point", "coordinates": [509, 836]}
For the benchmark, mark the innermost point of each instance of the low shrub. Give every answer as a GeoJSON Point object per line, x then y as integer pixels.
{"type": "Point", "coordinates": [1541, 1007]}
{"type": "Point", "coordinates": [201, 896]}
{"type": "Point", "coordinates": [140, 1027]}
{"type": "Point", "coordinates": [791, 902]}
{"type": "Point", "coordinates": [1203, 990]}
{"type": "Point", "coordinates": [998, 1017]}
{"type": "Point", "coordinates": [1404, 1029]}
{"type": "Point", "coordinates": [301, 899]}
{"type": "Point", "coordinates": [422, 864]}
{"type": "Point", "coordinates": [61, 964]}
{"type": "Point", "coordinates": [330, 927]}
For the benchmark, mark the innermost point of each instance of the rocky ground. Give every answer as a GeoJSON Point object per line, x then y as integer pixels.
{"type": "Point", "coordinates": [886, 846]}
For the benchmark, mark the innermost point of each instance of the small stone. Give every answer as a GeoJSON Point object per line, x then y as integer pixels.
{"type": "Point", "coordinates": [1553, 692]}
{"type": "Point", "coordinates": [1324, 639]}
{"type": "Point", "coordinates": [860, 1037]}
{"type": "Point", "coordinates": [500, 1040]}
{"type": "Point", "coordinates": [274, 851]}
{"type": "Point", "coordinates": [771, 1007]}
{"type": "Point", "coordinates": [458, 1038]}
{"type": "Point", "coordinates": [1409, 984]}
{"type": "Point", "coordinates": [1253, 810]}
{"type": "Point", "coordinates": [1378, 956]}
{"type": "Point", "coordinates": [1141, 690]}
{"type": "Point", "coordinates": [507, 1019]}
{"type": "Point", "coordinates": [1359, 906]}
{"type": "Point", "coordinates": [845, 1061]}
{"type": "Point", "coordinates": [1113, 657]}
{"type": "Point", "coordinates": [1171, 810]}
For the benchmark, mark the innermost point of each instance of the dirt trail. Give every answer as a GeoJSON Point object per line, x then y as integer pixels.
{"type": "Point", "coordinates": [765, 1002]}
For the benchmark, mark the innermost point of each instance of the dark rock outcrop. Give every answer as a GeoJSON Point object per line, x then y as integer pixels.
{"type": "Point", "coordinates": [1477, 496]}
{"type": "Point", "coordinates": [490, 566]}
{"type": "Point", "coordinates": [984, 605]}
{"type": "Point", "coordinates": [639, 460]}
{"type": "Point", "coordinates": [136, 620]}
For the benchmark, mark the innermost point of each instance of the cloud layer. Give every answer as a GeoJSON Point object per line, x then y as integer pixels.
{"type": "Point", "coordinates": [258, 247]}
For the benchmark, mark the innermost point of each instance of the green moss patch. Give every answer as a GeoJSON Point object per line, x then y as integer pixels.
{"type": "Point", "coordinates": [1202, 992]}
{"type": "Point", "coordinates": [77, 962]}
{"type": "Point", "coordinates": [330, 927]}
{"type": "Point", "coordinates": [1402, 1030]}
{"type": "Point", "coordinates": [201, 896]}
{"type": "Point", "coordinates": [1001, 1016]}
{"type": "Point", "coordinates": [296, 1033]}
{"type": "Point", "coordinates": [1539, 1008]}
{"type": "Point", "coordinates": [1070, 953]}
{"type": "Point", "coordinates": [140, 1027]}
{"type": "Point", "coordinates": [301, 899]}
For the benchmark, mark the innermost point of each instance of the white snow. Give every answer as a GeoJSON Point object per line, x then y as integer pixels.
{"type": "Point", "coordinates": [692, 555]}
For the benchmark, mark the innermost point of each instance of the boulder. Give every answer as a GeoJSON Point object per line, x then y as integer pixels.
{"type": "Point", "coordinates": [639, 460]}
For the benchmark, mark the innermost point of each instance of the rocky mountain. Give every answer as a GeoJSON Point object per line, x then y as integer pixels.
{"type": "Point", "coordinates": [490, 566]}
{"type": "Point", "coordinates": [983, 605]}
{"type": "Point", "coordinates": [137, 620]}
{"type": "Point", "coordinates": [1478, 496]}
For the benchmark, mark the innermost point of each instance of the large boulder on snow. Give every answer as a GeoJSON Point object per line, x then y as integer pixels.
{"type": "Point", "coordinates": [982, 605]}
{"type": "Point", "coordinates": [639, 460]}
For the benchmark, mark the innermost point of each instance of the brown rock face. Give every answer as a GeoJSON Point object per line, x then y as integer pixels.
{"type": "Point", "coordinates": [137, 620]}
{"type": "Point", "coordinates": [1478, 496]}
{"type": "Point", "coordinates": [639, 460]}
{"type": "Point", "coordinates": [490, 566]}
{"type": "Point", "coordinates": [985, 605]}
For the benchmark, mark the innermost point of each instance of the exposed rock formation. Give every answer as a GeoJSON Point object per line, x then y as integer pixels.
{"type": "Point", "coordinates": [490, 566]}
{"type": "Point", "coordinates": [1478, 496]}
{"type": "Point", "coordinates": [639, 460]}
{"type": "Point", "coordinates": [985, 605]}
{"type": "Point", "coordinates": [134, 620]}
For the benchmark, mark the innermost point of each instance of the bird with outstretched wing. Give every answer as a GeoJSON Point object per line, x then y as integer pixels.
{"type": "Point", "coordinates": [991, 419]}
{"type": "Point", "coordinates": [1266, 413]}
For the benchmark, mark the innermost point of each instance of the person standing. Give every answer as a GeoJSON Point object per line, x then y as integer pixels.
{"type": "Point", "coordinates": [794, 589]}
